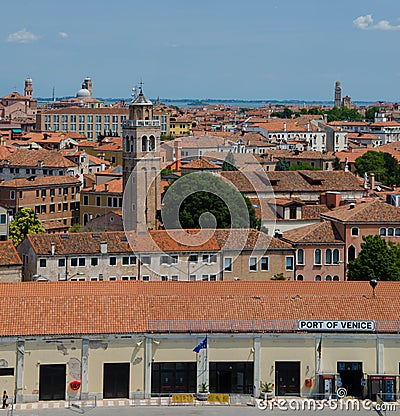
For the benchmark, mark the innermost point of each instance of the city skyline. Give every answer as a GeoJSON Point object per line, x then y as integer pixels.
{"type": "Point", "coordinates": [259, 50]}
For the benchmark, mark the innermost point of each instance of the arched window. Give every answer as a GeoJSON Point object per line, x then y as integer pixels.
{"type": "Point", "coordinates": [335, 278]}
{"type": "Point", "coordinates": [85, 219]}
{"type": "Point", "coordinates": [145, 144]}
{"type": "Point", "coordinates": [152, 143]}
{"type": "Point", "coordinates": [300, 277]}
{"type": "Point", "coordinates": [355, 231]}
{"type": "Point", "coordinates": [328, 278]}
{"type": "Point", "coordinates": [318, 278]}
{"type": "Point", "coordinates": [390, 232]}
{"type": "Point", "coordinates": [382, 231]}
{"type": "Point", "coordinates": [328, 256]}
{"type": "Point", "coordinates": [300, 256]}
{"type": "Point", "coordinates": [351, 253]}
{"type": "Point", "coordinates": [397, 232]}
{"type": "Point", "coordinates": [335, 256]}
{"type": "Point", "coordinates": [317, 256]}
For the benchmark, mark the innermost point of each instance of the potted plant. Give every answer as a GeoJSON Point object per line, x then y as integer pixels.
{"type": "Point", "coordinates": [266, 390]}
{"type": "Point", "coordinates": [202, 394]}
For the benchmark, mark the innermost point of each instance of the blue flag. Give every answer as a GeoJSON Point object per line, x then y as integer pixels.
{"type": "Point", "coordinates": [201, 345]}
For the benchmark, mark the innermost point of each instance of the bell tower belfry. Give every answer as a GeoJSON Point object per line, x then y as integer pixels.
{"type": "Point", "coordinates": [141, 165]}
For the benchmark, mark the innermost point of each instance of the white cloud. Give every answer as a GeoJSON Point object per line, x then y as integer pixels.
{"type": "Point", "coordinates": [64, 35]}
{"type": "Point", "coordinates": [367, 23]}
{"type": "Point", "coordinates": [22, 36]}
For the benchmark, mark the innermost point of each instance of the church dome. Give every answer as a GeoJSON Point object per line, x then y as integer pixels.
{"type": "Point", "coordinates": [83, 93]}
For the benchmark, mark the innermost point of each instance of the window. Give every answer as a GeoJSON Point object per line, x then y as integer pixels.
{"type": "Point", "coordinates": [336, 278]}
{"type": "Point", "coordinates": [397, 232]}
{"type": "Point", "coordinates": [382, 232]}
{"type": "Point", "coordinates": [9, 371]}
{"type": "Point", "coordinates": [37, 193]}
{"type": "Point", "coordinates": [264, 264]}
{"type": "Point", "coordinates": [253, 264]}
{"type": "Point", "coordinates": [3, 218]}
{"type": "Point", "coordinates": [192, 278]}
{"type": "Point", "coordinates": [164, 278]}
{"type": "Point", "coordinates": [52, 192]}
{"type": "Point", "coordinates": [300, 277]}
{"type": "Point", "coordinates": [94, 261]}
{"type": "Point", "coordinates": [52, 208]}
{"type": "Point", "coordinates": [42, 263]}
{"type": "Point", "coordinates": [328, 256]}
{"type": "Point", "coordinates": [174, 277]}
{"type": "Point", "coordinates": [335, 256]}
{"type": "Point", "coordinates": [65, 191]}
{"type": "Point", "coordinates": [146, 260]}
{"type": "Point", "coordinates": [113, 261]}
{"type": "Point", "coordinates": [318, 278]}
{"type": "Point", "coordinates": [193, 258]}
{"type": "Point", "coordinates": [128, 260]}
{"type": "Point", "coordinates": [390, 232]}
{"type": "Point", "coordinates": [12, 194]}
{"type": "Point", "coordinates": [112, 278]}
{"type": "Point", "coordinates": [81, 261]}
{"type": "Point", "coordinates": [85, 200]}
{"type": "Point", "coordinates": [61, 262]}
{"type": "Point", "coordinates": [355, 231]}
{"type": "Point", "coordinates": [317, 256]}
{"type": "Point", "coordinates": [351, 253]}
{"type": "Point", "coordinates": [228, 264]}
{"type": "Point", "coordinates": [300, 256]}
{"type": "Point", "coordinates": [289, 263]}
{"type": "Point", "coordinates": [43, 193]}
{"type": "Point", "coordinates": [205, 277]}
{"type": "Point", "coordinates": [209, 258]}
{"type": "Point", "coordinates": [98, 201]}
{"type": "Point", "coordinates": [328, 278]}
{"type": "Point", "coordinates": [74, 262]}
{"type": "Point", "coordinates": [293, 212]}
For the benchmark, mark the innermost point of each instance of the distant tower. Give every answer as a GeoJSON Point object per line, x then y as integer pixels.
{"type": "Point", "coordinates": [28, 88]}
{"type": "Point", "coordinates": [87, 85]}
{"type": "Point", "coordinates": [338, 94]}
{"type": "Point", "coordinates": [141, 142]}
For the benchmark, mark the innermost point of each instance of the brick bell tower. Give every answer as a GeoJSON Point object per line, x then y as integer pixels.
{"type": "Point", "coordinates": [141, 165]}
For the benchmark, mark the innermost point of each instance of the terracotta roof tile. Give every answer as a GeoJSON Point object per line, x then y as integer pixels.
{"type": "Point", "coordinates": [40, 181]}
{"type": "Point", "coordinates": [8, 254]}
{"type": "Point", "coordinates": [130, 307]}
{"type": "Point", "coordinates": [323, 232]}
{"type": "Point", "coordinates": [374, 211]}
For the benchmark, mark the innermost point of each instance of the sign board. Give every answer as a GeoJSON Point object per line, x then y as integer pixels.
{"type": "Point", "coordinates": [218, 398]}
{"type": "Point", "coordinates": [183, 398]}
{"type": "Point", "coordinates": [335, 326]}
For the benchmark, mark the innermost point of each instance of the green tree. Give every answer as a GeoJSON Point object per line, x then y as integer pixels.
{"type": "Point", "coordinates": [336, 164]}
{"type": "Point", "coordinates": [384, 165]}
{"type": "Point", "coordinates": [201, 204]}
{"type": "Point", "coordinates": [377, 260]}
{"type": "Point", "coordinates": [370, 114]}
{"type": "Point", "coordinates": [300, 165]}
{"type": "Point", "coordinates": [229, 162]}
{"type": "Point", "coordinates": [25, 222]}
{"type": "Point", "coordinates": [75, 228]}
{"type": "Point", "coordinates": [282, 164]}
{"type": "Point", "coordinates": [343, 113]}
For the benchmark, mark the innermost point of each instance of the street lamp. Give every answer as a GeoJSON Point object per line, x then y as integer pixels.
{"type": "Point", "coordinates": [373, 284]}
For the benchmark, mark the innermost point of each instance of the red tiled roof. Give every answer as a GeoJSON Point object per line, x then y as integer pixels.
{"type": "Point", "coordinates": [129, 307]}
{"type": "Point", "coordinates": [40, 181]}
{"type": "Point", "coordinates": [201, 163]}
{"type": "Point", "coordinates": [375, 211]}
{"type": "Point", "coordinates": [8, 254]}
{"type": "Point", "coordinates": [323, 232]}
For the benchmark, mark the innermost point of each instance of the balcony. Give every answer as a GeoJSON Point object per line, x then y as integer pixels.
{"type": "Point", "coordinates": [140, 123]}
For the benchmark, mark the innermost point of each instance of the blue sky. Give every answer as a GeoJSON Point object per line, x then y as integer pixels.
{"type": "Point", "coordinates": [253, 49]}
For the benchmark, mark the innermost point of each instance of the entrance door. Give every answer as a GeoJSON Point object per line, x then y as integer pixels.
{"type": "Point", "coordinates": [52, 382]}
{"type": "Point", "coordinates": [231, 377]}
{"type": "Point", "coordinates": [287, 378]}
{"type": "Point", "coordinates": [116, 380]}
{"type": "Point", "coordinates": [350, 377]}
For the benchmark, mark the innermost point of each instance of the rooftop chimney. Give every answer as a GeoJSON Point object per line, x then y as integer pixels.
{"type": "Point", "coordinates": [106, 187]}
{"type": "Point", "coordinates": [352, 205]}
{"type": "Point", "coordinates": [372, 180]}
{"type": "Point", "coordinates": [103, 247]}
{"type": "Point", "coordinates": [53, 248]}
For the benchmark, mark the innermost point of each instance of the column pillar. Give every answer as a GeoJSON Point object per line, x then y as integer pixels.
{"type": "Point", "coordinates": [19, 371]}
{"type": "Point", "coordinates": [148, 357]}
{"type": "Point", "coordinates": [257, 365]}
{"type": "Point", "coordinates": [380, 368]}
{"type": "Point", "coordinates": [202, 364]}
{"type": "Point", "coordinates": [84, 369]}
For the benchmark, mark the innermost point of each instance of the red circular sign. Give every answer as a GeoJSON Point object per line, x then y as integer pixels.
{"type": "Point", "coordinates": [75, 384]}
